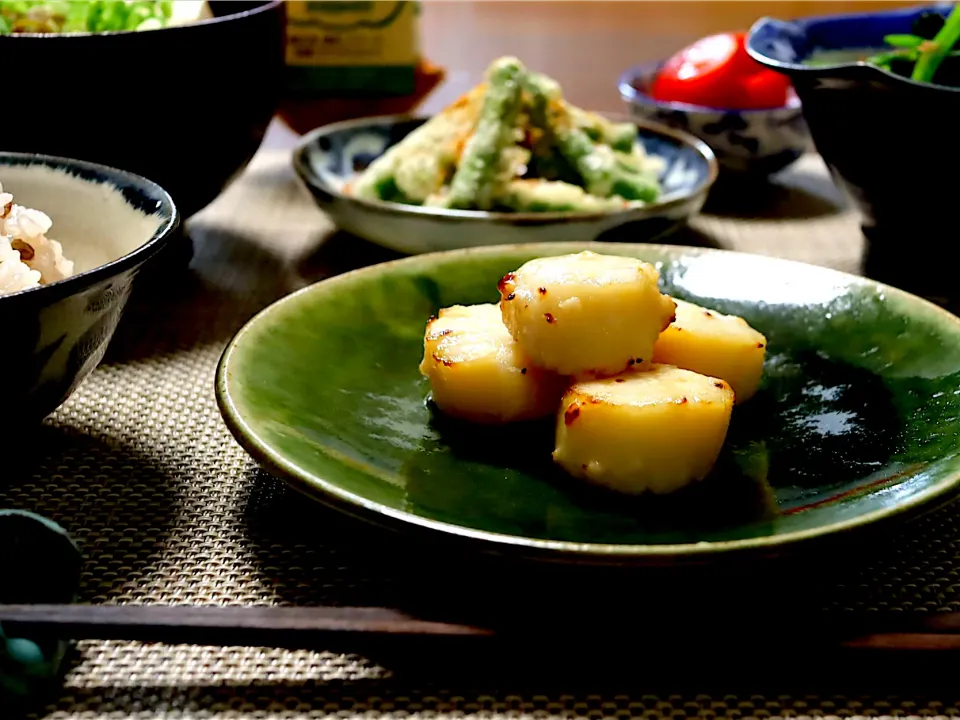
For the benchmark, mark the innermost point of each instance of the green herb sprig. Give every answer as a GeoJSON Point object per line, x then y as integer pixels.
{"type": "Point", "coordinates": [926, 55]}
{"type": "Point", "coordinates": [933, 53]}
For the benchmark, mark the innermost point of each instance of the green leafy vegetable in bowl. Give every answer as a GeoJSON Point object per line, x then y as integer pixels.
{"type": "Point", "coordinates": [927, 54]}
{"type": "Point", "coordinates": [95, 16]}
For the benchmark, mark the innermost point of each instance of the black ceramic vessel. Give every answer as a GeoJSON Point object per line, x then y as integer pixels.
{"type": "Point", "coordinates": [184, 106]}
{"type": "Point", "coordinates": [889, 142]}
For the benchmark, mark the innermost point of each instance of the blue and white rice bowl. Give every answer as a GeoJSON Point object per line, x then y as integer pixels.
{"type": "Point", "coordinates": [99, 227]}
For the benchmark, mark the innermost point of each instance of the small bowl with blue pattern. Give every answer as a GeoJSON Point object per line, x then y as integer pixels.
{"type": "Point", "coordinates": [746, 142]}
{"type": "Point", "coordinates": [110, 224]}
{"type": "Point", "coordinates": [329, 158]}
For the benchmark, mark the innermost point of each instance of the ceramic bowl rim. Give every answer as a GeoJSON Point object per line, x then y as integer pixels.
{"type": "Point", "coordinates": [330, 494]}
{"type": "Point", "coordinates": [311, 179]}
{"type": "Point", "coordinates": [76, 283]}
{"type": "Point", "coordinates": [860, 67]}
{"type": "Point", "coordinates": [631, 94]}
{"type": "Point", "coordinates": [265, 6]}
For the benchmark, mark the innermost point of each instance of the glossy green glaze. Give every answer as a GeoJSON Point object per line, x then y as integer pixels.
{"type": "Point", "coordinates": [856, 421]}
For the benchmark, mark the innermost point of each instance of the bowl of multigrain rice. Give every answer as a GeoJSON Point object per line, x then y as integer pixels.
{"type": "Point", "coordinates": [73, 236]}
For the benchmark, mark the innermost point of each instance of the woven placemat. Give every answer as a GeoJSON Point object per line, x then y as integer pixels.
{"type": "Point", "coordinates": [169, 509]}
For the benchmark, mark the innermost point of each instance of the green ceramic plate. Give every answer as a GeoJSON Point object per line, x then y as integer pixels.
{"type": "Point", "coordinates": [856, 421]}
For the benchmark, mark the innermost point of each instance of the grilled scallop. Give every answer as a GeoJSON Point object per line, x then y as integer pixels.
{"type": "Point", "coordinates": [722, 346]}
{"type": "Point", "coordinates": [585, 314]}
{"type": "Point", "coordinates": [655, 430]}
{"type": "Point", "coordinates": [477, 371]}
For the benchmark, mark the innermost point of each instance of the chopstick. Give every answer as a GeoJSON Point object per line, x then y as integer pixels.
{"type": "Point", "coordinates": [695, 651]}
{"type": "Point", "coordinates": [282, 627]}
{"type": "Point", "coordinates": [313, 627]}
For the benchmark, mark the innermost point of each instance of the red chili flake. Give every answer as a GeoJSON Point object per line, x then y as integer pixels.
{"type": "Point", "coordinates": [549, 318]}
{"type": "Point", "coordinates": [570, 416]}
{"type": "Point", "coordinates": [760, 345]}
{"type": "Point", "coordinates": [511, 296]}
{"type": "Point", "coordinates": [523, 371]}
{"type": "Point", "coordinates": [708, 313]}
{"type": "Point", "coordinates": [681, 401]}
{"type": "Point", "coordinates": [542, 291]}
{"type": "Point", "coordinates": [718, 385]}
{"type": "Point", "coordinates": [506, 280]}
{"type": "Point", "coordinates": [619, 380]}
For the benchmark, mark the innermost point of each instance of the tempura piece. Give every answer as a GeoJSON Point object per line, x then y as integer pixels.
{"type": "Point", "coordinates": [474, 184]}
{"type": "Point", "coordinates": [420, 165]}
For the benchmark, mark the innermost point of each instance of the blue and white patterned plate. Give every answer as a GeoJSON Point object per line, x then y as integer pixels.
{"type": "Point", "coordinates": [328, 157]}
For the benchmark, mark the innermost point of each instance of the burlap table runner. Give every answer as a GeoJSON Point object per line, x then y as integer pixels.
{"type": "Point", "coordinates": [169, 509]}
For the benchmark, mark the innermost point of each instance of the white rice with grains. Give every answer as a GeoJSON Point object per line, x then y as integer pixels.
{"type": "Point", "coordinates": [28, 258]}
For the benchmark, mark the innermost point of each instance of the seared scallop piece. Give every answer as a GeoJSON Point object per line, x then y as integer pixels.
{"type": "Point", "coordinates": [585, 314]}
{"type": "Point", "coordinates": [707, 342]}
{"type": "Point", "coordinates": [477, 371]}
{"type": "Point", "coordinates": [656, 430]}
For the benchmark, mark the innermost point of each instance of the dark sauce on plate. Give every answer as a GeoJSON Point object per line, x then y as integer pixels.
{"type": "Point", "coordinates": [825, 423]}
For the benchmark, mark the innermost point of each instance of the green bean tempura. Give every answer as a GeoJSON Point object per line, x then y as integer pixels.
{"type": "Point", "coordinates": [513, 144]}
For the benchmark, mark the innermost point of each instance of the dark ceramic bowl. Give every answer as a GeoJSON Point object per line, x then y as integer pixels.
{"type": "Point", "coordinates": [110, 223]}
{"type": "Point", "coordinates": [888, 141]}
{"type": "Point", "coordinates": [184, 106]}
{"type": "Point", "coordinates": [746, 142]}
{"type": "Point", "coordinates": [327, 158]}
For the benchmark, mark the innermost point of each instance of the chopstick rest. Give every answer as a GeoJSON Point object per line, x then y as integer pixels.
{"type": "Point", "coordinates": [39, 563]}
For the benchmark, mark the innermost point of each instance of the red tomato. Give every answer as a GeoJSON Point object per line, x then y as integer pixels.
{"type": "Point", "coordinates": [716, 71]}
{"type": "Point", "coordinates": [765, 89]}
